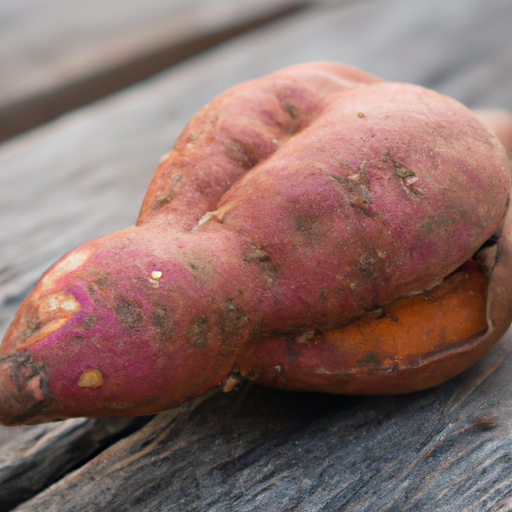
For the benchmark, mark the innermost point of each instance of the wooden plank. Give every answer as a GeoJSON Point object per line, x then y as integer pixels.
{"type": "Point", "coordinates": [60, 55]}
{"type": "Point", "coordinates": [85, 175]}
{"type": "Point", "coordinates": [37, 456]}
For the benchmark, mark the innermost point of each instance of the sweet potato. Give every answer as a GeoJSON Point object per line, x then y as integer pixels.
{"type": "Point", "coordinates": [296, 215]}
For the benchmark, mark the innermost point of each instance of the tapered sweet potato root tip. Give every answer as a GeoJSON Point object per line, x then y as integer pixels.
{"type": "Point", "coordinates": [24, 391]}
{"type": "Point", "coordinates": [121, 326]}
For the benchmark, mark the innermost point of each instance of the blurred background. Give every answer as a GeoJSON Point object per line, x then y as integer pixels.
{"type": "Point", "coordinates": [58, 55]}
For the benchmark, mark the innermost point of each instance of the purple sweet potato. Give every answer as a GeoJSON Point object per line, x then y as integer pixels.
{"type": "Point", "coordinates": [291, 204]}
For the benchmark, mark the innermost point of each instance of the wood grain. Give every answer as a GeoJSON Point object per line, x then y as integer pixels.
{"type": "Point", "coordinates": [56, 56]}
{"type": "Point", "coordinates": [39, 455]}
{"type": "Point", "coordinates": [257, 448]}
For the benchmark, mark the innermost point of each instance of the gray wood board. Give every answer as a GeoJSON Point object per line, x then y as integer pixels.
{"type": "Point", "coordinates": [58, 55]}
{"type": "Point", "coordinates": [85, 175]}
{"type": "Point", "coordinates": [39, 455]}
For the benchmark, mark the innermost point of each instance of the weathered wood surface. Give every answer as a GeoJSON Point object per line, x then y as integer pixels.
{"type": "Point", "coordinates": [261, 449]}
{"type": "Point", "coordinates": [37, 456]}
{"type": "Point", "coordinates": [57, 55]}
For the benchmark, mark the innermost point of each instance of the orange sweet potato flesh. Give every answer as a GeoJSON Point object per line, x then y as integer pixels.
{"type": "Point", "coordinates": [313, 229]}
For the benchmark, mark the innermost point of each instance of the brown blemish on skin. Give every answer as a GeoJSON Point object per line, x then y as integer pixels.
{"type": "Point", "coordinates": [359, 190]}
{"type": "Point", "coordinates": [358, 186]}
{"type": "Point", "coordinates": [193, 266]}
{"type": "Point", "coordinates": [31, 323]}
{"type": "Point", "coordinates": [128, 313]}
{"type": "Point", "coordinates": [197, 335]}
{"type": "Point", "coordinates": [293, 348]}
{"type": "Point", "coordinates": [305, 337]}
{"type": "Point", "coordinates": [408, 180]}
{"type": "Point", "coordinates": [257, 254]}
{"type": "Point", "coordinates": [305, 225]}
{"type": "Point", "coordinates": [90, 322]}
{"type": "Point", "coordinates": [161, 202]}
{"type": "Point", "coordinates": [262, 256]}
{"type": "Point", "coordinates": [165, 196]}
{"type": "Point", "coordinates": [365, 210]}
{"type": "Point", "coordinates": [402, 171]}
{"type": "Point", "coordinates": [91, 378]}
{"type": "Point", "coordinates": [366, 266]}
{"type": "Point", "coordinates": [310, 228]}
{"type": "Point", "coordinates": [232, 322]}
{"type": "Point", "coordinates": [269, 268]}
{"type": "Point", "coordinates": [291, 110]}
{"type": "Point", "coordinates": [102, 282]}
{"type": "Point", "coordinates": [370, 359]}
{"type": "Point", "coordinates": [163, 322]}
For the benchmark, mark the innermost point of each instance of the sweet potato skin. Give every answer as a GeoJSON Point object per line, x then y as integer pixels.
{"type": "Point", "coordinates": [234, 133]}
{"type": "Point", "coordinates": [295, 202]}
{"type": "Point", "coordinates": [397, 199]}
